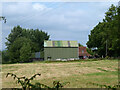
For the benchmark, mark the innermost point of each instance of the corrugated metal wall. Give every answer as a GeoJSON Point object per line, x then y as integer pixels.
{"type": "Point", "coordinates": [37, 55]}
{"type": "Point", "coordinates": [60, 53]}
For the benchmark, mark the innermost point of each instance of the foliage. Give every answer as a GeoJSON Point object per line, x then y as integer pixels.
{"type": "Point", "coordinates": [57, 84]}
{"type": "Point", "coordinates": [22, 43]}
{"type": "Point", "coordinates": [42, 54]}
{"type": "Point", "coordinates": [80, 45]}
{"type": "Point", "coordinates": [23, 81]}
{"type": "Point", "coordinates": [107, 32]}
{"type": "Point", "coordinates": [5, 56]}
{"type": "Point", "coordinates": [3, 18]}
{"type": "Point", "coordinates": [26, 84]}
{"type": "Point", "coordinates": [21, 46]}
{"type": "Point", "coordinates": [107, 57]}
{"type": "Point", "coordinates": [113, 87]}
{"type": "Point", "coordinates": [90, 51]}
{"type": "Point", "coordinates": [25, 52]}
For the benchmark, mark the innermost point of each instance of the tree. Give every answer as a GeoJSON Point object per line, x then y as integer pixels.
{"type": "Point", "coordinates": [41, 39]}
{"type": "Point", "coordinates": [17, 48]}
{"type": "Point", "coordinates": [80, 45]}
{"type": "Point", "coordinates": [16, 32]}
{"type": "Point", "coordinates": [5, 56]}
{"type": "Point", "coordinates": [106, 33]}
{"type": "Point", "coordinates": [25, 52]}
{"type": "Point", "coordinates": [1, 17]}
{"type": "Point", "coordinates": [37, 36]}
{"type": "Point", "coordinates": [24, 40]}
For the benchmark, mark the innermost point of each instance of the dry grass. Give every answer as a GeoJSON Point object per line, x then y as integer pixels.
{"type": "Point", "coordinates": [77, 73]}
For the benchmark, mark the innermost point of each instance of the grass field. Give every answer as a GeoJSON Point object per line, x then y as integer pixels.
{"type": "Point", "coordinates": [78, 73]}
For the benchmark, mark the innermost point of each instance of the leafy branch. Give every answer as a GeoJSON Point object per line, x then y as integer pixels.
{"type": "Point", "coordinates": [57, 84]}
{"type": "Point", "coordinates": [106, 86]}
{"type": "Point", "coordinates": [25, 82]}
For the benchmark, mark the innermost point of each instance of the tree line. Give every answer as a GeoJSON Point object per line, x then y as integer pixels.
{"type": "Point", "coordinates": [22, 44]}
{"type": "Point", "coordinates": [106, 34]}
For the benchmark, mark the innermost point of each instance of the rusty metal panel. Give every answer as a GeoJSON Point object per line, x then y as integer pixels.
{"type": "Point", "coordinates": [60, 44]}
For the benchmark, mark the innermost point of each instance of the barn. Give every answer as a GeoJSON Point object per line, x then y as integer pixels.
{"type": "Point", "coordinates": [56, 50]}
{"type": "Point", "coordinates": [83, 52]}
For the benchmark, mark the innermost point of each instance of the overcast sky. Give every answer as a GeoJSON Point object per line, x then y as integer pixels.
{"type": "Point", "coordinates": [62, 20]}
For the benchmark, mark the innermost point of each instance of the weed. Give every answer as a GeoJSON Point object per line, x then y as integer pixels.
{"type": "Point", "coordinates": [113, 87]}
{"type": "Point", "coordinates": [25, 82]}
{"type": "Point", "coordinates": [102, 69]}
{"type": "Point", "coordinates": [57, 84]}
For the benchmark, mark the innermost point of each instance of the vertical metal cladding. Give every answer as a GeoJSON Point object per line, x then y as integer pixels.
{"type": "Point", "coordinates": [60, 50]}
{"type": "Point", "coordinates": [68, 43]}
{"type": "Point", "coordinates": [59, 43]}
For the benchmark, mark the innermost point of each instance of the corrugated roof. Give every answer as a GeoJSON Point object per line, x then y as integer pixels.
{"type": "Point", "coordinates": [60, 44]}
{"type": "Point", "coordinates": [83, 51]}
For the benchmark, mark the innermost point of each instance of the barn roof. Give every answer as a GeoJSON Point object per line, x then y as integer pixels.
{"type": "Point", "coordinates": [83, 51]}
{"type": "Point", "coordinates": [60, 44]}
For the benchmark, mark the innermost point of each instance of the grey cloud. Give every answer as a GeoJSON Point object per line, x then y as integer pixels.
{"type": "Point", "coordinates": [69, 21]}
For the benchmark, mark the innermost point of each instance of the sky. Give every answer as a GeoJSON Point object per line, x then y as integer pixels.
{"type": "Point", "coordinates": [61, 20]}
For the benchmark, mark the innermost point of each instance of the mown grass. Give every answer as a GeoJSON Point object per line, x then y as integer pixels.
{"type": "Point", "coordinates": [78, 73]}
{"type": "Point", "coordinates": [102, 73]}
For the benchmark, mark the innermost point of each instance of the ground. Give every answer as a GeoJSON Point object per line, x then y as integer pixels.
{"type": "Point", "coordinates": [78, 73]}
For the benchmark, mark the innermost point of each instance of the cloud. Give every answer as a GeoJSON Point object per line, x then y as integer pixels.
{"type": "Point", "coordinates": [63, 21]}
{"type": "Point", "coordinates": [6, 29]}
{"type": "Point", "coordinates": [23, 9]}
{"type": "Point", "coordinates": [39, 7]}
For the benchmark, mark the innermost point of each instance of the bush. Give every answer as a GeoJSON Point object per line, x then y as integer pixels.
{"type": "Point", "coordinates": [107, 57]}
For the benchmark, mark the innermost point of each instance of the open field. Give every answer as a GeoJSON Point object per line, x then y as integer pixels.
{"type": "Point", "coordinates": [78, 73]}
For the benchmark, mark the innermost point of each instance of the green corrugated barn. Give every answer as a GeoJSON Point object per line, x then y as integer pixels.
{"type": "Point", "coordinates": [54, 50]}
